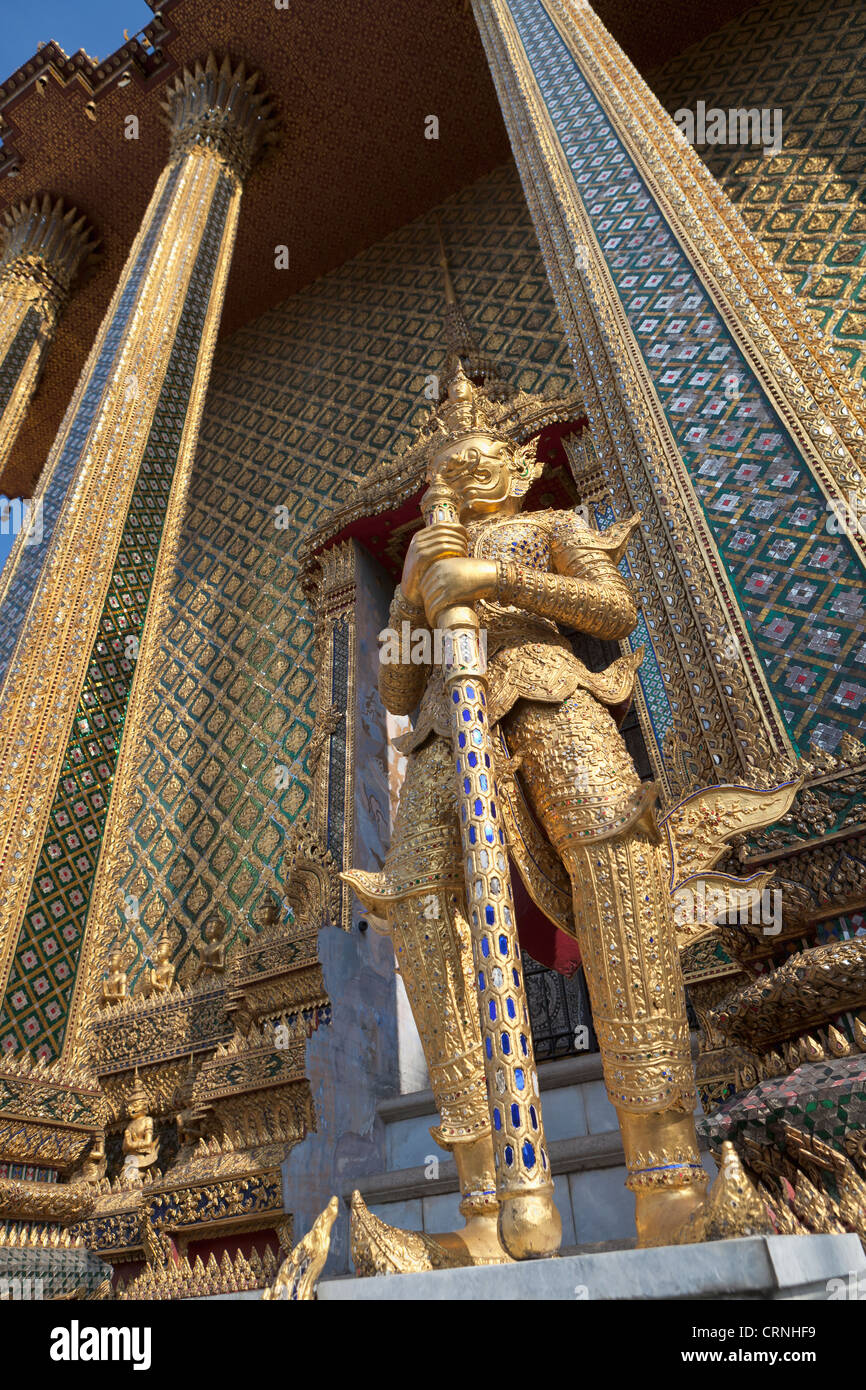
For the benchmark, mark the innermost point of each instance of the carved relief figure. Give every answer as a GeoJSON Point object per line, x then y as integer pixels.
{"type": "Point", "coordinates": [212, 952]}
{"type": "Point", "coordinates": [116, 986]}
{"type": "Point", "coordinates": [94, 1166]}
{"type": "Point", "coordinates": [160, 976]}
{"type": "Point", "coordinates": [140, 1147]}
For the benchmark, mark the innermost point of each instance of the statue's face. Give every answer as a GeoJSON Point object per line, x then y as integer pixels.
{"type": "Point", "coordinates": [477, 470]}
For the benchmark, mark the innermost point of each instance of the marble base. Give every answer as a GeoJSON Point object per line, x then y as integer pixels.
{"type": "Point", "coordinates": [756, 1267]}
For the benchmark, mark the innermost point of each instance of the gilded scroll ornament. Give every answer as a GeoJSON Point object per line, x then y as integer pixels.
{"type": "Point", "coordinates": [299, 1273]}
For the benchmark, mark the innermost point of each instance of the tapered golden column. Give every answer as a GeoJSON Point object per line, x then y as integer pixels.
{"type": "Point", "coordinates": [44, 246]}
{"type": "Point", "coordinates": [86, 628]}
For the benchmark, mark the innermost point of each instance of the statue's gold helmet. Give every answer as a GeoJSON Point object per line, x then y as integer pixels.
{"type": "Point", "coordinates": [466, 444]}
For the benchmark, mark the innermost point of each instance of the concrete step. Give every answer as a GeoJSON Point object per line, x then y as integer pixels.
{"type": "Point", "coordinates": [419, 1190]}
{"type": "Point", "coordinates": [770, 1268]}
{"type": "Point", "coordinates": [574, 1103]}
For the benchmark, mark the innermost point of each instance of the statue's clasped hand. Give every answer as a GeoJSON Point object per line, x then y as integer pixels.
{"type": "Point", "coordinates": [456, 581]}
{"type": "Point", "coordinates": [444, 539]}
{"type": "Point", "coordinates": [439, 572]}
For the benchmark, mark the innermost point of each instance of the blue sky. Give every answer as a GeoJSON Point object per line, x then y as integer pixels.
{"type": "Point", "coordinates": [95, 25]}
{"type": "Point", "coordinates": [6, 542]}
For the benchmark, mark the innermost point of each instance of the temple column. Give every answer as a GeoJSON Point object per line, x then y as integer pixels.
{"type": "Point", "coordinates": [716, 408]}
{"type": "Point", "coordinates": [84, 630]}
{"type": "Point", "coordinates": [45, 245]}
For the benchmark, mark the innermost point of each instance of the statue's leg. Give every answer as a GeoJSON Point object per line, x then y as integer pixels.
{"type": "Point", "coordinates": [583, 786]}
{"type": "Point", "coordinates": [432, 945]}
{"type": "Point", "coordinates": [434, 957]}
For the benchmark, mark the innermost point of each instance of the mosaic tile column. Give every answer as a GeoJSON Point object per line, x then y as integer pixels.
{"type": "Point", "coordinates": [717, 409]}
{"type": "Point", "coordinates": [80, 674]}
{"type": "Point", "coordinates": [45, 245]}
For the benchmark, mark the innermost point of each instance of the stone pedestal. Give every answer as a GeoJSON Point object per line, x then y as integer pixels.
{"type": "Point", "coordinates": [768, 1268]}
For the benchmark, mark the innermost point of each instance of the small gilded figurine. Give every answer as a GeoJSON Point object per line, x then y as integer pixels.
{"type": "Point", "coordinates": [267, 912]}
{"type": "Point", "coordinates": [94, 1165]}
{"type": "Point", "coordinates": [212, 952]}
{"type": "Point", "coordinates": [140, 1148]}
{"type": "Point", "coordinates": [160, 976]}
{"type": "Point", "coordinates": [190, 1126]}
{"type": "Point", "coordinates": [115, 987]}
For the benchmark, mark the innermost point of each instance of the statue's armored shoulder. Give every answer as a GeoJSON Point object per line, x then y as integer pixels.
{"type": "Point", "coordinates": [570, 532]}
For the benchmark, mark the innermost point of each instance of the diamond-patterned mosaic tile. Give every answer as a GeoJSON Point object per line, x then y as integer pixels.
{"type": "Point", "coordinates": [806, 204]}
{"type": "Point", "coordinates": [802, 590]}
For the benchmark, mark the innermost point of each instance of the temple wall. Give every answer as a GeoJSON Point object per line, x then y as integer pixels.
{"type": "Point", "coordinates": [301, 403]}
{"type": "Point", "coordinates": [355, 1063]}
{"type": "Point", "coordinates": [806, 204]}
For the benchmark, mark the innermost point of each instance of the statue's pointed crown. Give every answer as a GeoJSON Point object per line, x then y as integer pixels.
{"type": "Point", "coordinates": [465, 410]}
{"type": "Point", "coordinates": [469, 414]}
{"type": "Point", "coordinates": [137, 1095]}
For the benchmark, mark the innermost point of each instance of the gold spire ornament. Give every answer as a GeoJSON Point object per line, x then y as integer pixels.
{"type": "Point", "coordinates": [733, 1209]}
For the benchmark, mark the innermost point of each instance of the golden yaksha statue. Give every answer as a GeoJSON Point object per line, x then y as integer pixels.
{"type": "Point", "coordinates": [140, 1147]}
{"type": "Point", "coordinates": [116, 986]}
{"type": "Point", "coordinates": [553, 746]}
{"type": "Point", "coordinates": [160, 976]}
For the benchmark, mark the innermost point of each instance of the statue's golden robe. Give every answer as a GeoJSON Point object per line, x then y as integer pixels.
{"type": "Point", "coordinates": [568, 573]}
{"type": "Point", "coordinates": [578, 822]}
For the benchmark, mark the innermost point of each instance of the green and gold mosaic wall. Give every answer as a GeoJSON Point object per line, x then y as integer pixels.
{"type": "Point", "coordinates": [807, 204]}
{"type": "Point", "coordinates": [301, 404]}
{"type": "Point", "coordinates": [801, 589]}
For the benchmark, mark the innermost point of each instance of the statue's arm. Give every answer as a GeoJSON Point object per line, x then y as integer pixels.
{"type": "Point", "coordinates": [401, 684]}
{"type": "Point", "coordinates": [584, 589]}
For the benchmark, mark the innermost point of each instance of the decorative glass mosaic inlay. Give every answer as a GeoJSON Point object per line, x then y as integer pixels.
{"type": "Point", "coordinates": [801, 588]}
